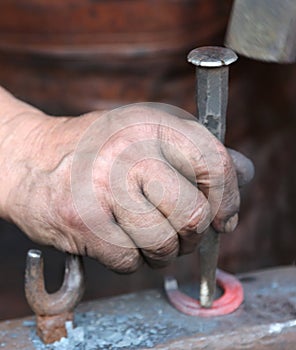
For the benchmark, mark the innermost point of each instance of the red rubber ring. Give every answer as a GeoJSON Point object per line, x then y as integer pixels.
{"type": "Point", "coordinates": [230, 301]}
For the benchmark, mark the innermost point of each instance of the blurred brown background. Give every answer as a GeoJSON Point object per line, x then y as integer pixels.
{"type": "Point", "coordinates": [76, 56]}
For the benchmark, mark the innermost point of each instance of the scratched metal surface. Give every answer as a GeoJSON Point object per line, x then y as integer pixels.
{"type": "Point", "coordinates": [146, 320]}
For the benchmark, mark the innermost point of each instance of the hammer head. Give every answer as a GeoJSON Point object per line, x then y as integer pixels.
{"type": "Point", "coordinates": [263, 30]}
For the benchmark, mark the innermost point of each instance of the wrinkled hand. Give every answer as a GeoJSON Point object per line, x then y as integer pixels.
{"type": "Point", "coordinates": [122, 186]}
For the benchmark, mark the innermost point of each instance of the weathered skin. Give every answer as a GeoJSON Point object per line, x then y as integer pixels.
{"type": "Point", "coordinates": [37, 156]}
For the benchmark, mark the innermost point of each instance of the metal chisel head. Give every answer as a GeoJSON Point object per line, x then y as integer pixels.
{"type": "Point", "coordinates": [263, 30]}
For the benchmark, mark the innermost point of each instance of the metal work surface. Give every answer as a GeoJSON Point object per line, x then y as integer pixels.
{"type": "Point", "coordinates": [266, 320]}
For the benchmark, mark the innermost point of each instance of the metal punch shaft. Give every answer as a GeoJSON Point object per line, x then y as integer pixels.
{"type": "Point", "coordinates": [212, 96]}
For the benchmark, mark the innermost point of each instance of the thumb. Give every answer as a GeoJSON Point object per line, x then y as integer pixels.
{"type": "Point", "coordinates": [245, 169]}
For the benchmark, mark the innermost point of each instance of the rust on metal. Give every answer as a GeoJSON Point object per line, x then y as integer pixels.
{"type": "Point", "coordinates": [53, 310]}
{"type": "Point", "coordinates": [265, 321]}
{"type": "Point", "coordinates": [52, 328]}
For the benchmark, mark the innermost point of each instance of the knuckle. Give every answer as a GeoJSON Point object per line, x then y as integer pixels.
{"type": "Point", "coordinates": [127, 261]}
{"type": "Point", "coordinates": [226, 169]}
{"type": "Point", "coordinates": [163, 254]}
{"type": "Point", "coordinates": [65, 213]}
{"type": "Point", "coordinates": [223, 164]}
{"type": "Point", "coordinates": [199, 219]}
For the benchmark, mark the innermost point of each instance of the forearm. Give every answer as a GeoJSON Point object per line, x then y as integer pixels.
{"type": "Point", "coordinates": [32, 145]}
{"type": "Point", "coordinates": [20, 128]}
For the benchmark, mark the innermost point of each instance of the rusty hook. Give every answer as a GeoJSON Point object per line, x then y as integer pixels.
{"type": "Point", "coordinates": [53, 310]}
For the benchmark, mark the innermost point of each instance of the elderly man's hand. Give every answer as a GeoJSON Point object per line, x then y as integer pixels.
{"type": "Point", "coordinates": [137, 183]}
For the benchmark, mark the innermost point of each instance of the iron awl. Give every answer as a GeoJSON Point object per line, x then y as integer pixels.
{"type": "Point", "coordinates": [212, 95]}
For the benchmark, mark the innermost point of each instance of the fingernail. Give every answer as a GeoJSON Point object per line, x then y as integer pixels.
{"type": "Point", "coordinates": [231, 224]}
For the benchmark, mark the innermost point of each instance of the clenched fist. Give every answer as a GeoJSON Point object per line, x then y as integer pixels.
{"type": "Point", "coordinates": [142, 182]}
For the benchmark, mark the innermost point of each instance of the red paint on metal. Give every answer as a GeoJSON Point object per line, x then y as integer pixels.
{"type": "Point", "coordinates": [230, 301]}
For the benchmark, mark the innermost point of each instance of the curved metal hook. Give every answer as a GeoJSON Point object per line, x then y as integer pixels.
{"type": "Point", "coordinates": [66, 298]}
